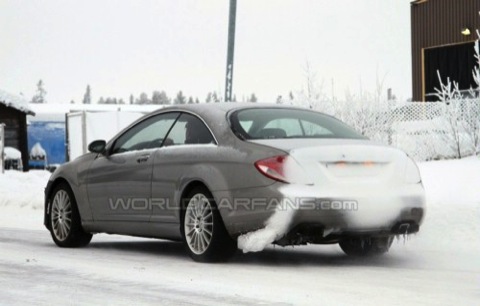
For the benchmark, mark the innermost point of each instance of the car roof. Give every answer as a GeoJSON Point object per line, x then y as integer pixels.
{"type": "Point", "coordinates": [222, 107]}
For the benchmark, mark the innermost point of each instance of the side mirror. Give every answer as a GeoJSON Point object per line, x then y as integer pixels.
{"type": "Point", "coordinates": [97, 146]}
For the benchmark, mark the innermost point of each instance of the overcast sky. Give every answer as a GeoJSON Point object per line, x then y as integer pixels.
{"type": "Point", "coordinates": [124, 47]}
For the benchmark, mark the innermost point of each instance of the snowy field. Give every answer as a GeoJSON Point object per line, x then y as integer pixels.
{"type": "Point", "coordinates": [438, 266]}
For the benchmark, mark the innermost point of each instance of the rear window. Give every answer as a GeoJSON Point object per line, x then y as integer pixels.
{"type": "Point", "coordinates": [274, 123]}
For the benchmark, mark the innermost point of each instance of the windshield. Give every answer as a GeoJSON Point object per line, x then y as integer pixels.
{"type": "Point", "coordinates": [275, 123]}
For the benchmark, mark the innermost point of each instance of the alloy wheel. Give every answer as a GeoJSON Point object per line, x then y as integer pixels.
{"type": "Point", "coordinates": [61, 215]}
{"type": "Point", "coordinates": [198, 223]}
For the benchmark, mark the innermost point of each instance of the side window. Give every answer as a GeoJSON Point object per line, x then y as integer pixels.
{"type": "Point", "coordinates": [148, 134]}
{"type": "Point", "coordinates": [189, 130]}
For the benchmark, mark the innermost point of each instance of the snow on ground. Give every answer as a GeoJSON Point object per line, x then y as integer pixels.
{"type": "Point", "coordinates": [21, 198]}
{"type": "Point", "coordinates": [438, 266]}
{"type": "Point", "coordinates": [453, 205]}
{"type": "Point", "coordinates": [23, 191]}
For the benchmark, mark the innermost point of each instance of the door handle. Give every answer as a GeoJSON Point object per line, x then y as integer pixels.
{"type": "Point", "coordinates": [143, 158]}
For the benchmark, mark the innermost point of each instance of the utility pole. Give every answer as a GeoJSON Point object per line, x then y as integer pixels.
{"type": "Point", "coordinates": [230, 49]}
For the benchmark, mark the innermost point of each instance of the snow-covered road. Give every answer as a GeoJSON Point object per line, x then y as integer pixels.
{"type": "Point", "coordinates": [123, 270]}
{"type": "Point", "coordinates": [440, 265]}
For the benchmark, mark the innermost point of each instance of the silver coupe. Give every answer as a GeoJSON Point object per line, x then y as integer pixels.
{"type": "Point", "coordinates": [227, 176]}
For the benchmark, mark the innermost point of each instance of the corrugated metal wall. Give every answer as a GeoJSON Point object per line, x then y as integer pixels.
{"type": "Point", "coordinates": [437, 23]}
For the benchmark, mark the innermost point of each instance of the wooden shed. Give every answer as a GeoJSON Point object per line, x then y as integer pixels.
{"type": "Point", "coordinates": [443, 36]}
{"type": "Point", "coordinates": [13, 113]}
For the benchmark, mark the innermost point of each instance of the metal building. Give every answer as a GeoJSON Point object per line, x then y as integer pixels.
{"type": "Point", "coordinates": [443, 36]}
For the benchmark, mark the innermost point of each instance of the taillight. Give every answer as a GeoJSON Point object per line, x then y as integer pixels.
{"type": "Point", "coordinates": [274, 168]}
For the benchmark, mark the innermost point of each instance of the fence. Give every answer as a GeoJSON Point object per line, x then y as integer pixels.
{"type": "Point", "coordinates": [426, 131]}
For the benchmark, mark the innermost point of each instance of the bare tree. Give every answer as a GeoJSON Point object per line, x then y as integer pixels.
{"type": "Point", "coordinates": [462, 113]}
{"type": "Point", "coordinates": [313, 95]}
{"type": "Point", "coordinates": [473, 108]}
{"type": "Point", "coordinates": [449, 94]}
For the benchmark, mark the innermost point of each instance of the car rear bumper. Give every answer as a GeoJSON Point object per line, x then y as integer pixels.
{"type": "Point", "coordinates": [347, 210]}
{"type": "Point", "coordinates": [364, 210]}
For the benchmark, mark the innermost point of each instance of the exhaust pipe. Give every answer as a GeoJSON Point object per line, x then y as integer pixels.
{"type": "Point", "coordinates": [403, 228]}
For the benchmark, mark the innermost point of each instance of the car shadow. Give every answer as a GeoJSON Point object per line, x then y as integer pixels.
{"type": "Point", "coordinates": [316, 257]}
{"type": "Point", "coordinates": [272, 256]}
{"type": "Point", "coordinates": [147, 247]}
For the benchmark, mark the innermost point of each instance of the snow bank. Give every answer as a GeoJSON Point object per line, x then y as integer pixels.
{"type": "Point", "coordinates": [21, 198]}
{"type": "Point", "coordinates": [23, 189]}
{"type": "Point", "coordinates": [453, 206]}
{"type": "Point", "coordinates": [12, 153]}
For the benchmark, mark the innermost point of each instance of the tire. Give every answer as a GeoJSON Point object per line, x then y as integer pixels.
{"type": "Point", "coordinates": [360, 247]}
{"type": "Point", "coordinates": [203, 232]}
{"type": "Point", "coordinates": [64, 218]}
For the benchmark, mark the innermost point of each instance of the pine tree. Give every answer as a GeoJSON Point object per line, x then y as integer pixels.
{"type": "Point", "coordinates": [209, 97]}
{"type": "Point", "coordinates": [291, 97]}
{"type": "Point", "coordinates": [197, 101]}
{"type": "Point", "coordinates": [160, 97]}
{"type": "Point", "coordinates": [131, 99]}
{"type": "Point", "coordinates": [190, 100]}
{"type": "Point", "coordinates": [87, 97]}
{"type": "Point", "coordinates": [156, 97]}
{"type": "Point", "coordinates": [112, 100]}
{"type": "Point", "coordinates": [165, 100]}
{"type": "Point", "coordinates": [279, 99]}
{"type": "Point", "coordinates": [215, 97]}
{"type": "Point", "coordinates": [253, 98]}
{"type": "Point", "coordinates": [143, 99]}
{"type": "Point", "coordinates": [234, 98]}
{"type": "Point", "coordinates": [39, 96]}
{"type": "Point", "coordinates": [180, 98]}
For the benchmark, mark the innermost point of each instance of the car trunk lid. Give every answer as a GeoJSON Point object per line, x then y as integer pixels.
{"type": "Point", "coordinates": [343, 160]}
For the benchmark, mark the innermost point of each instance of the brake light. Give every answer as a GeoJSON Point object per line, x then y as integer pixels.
{"type": "Point", "coordinates": [273, 167]}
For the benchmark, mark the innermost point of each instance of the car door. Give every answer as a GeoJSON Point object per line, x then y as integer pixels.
{"type": "Point", "coordinates": [189, 141]}
{"type": "Point", "coordinates": [119, 182]}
